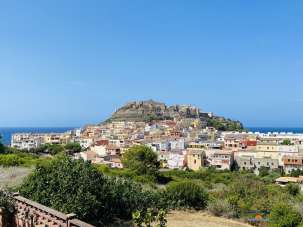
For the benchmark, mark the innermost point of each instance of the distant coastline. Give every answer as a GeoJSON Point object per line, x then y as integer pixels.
{"type": "Point", "coordinates": [276, 129]}
{"type": "Point", "coordinates": [6, 132]}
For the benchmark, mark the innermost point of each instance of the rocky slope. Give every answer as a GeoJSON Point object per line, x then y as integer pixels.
{"type": "Point", "coordinates": [151, 110]}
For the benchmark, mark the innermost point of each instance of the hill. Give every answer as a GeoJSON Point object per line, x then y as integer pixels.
{"type": "Point", "coordinates": [150, 110]}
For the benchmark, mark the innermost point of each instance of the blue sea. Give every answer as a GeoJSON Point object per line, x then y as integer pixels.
{"type": "Point", "coordinates": [6, 133]}
{"type": "Point", "coordinates": [275, 129]}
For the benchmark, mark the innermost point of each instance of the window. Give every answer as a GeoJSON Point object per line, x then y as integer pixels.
{"type": "Point", "coordinates": [195, 161]}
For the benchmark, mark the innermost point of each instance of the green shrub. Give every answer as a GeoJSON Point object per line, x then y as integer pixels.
{"type": "Point", "coordinates": [126, 196]}
{"type": "Point", "coordinates": [76, 186]}
{"type": "Point", "coordinates": [20, 159]}
{"type": "Point", "coordinates": [263, 171]}
{"type": "Point", "coordinates": [150, 217]}
{"type": "Point", "coordinates": [219, 207]}
{"type": "Point", "coordinates": [283, 215]}
{"type": "Point", "coordinates": [186, 194]}
{"type": "Point", "coordinates": [145, 179]}
{"type": "Point", "coordinates": [10, 160]}
{"type": "Point", "coordinates": [293, 189]}
{"type": "Point", "coordinates": [72, 148]}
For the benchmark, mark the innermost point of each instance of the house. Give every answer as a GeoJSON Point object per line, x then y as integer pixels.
{"type": "Point", "coordinates": [221, 159]}
{"type": "Point", "coordinates": [177, 144]}
{"type": "Point", "coordinates": [86, 142]}
{"type": "Point", "coordinates": [291, 163]}
{"type": "Point", "coordinates": [245, 162]}
{"type": "Point", "coordinates": [88, 155]}
{"type": "Point", "coordinates": [176, 160]}
{"type": "Point", "coordinates": [234, 141]}
{"type": "Point", "coordinates": [112, 150]}
{"type": "Point", "coordinates": [195, 159]}
{"type": "Point", "coordinates": [100, 150]}
{"type": "Point", "coordinates": [115, 162]}
{"type": "Point", "coordinates": [256, 160]}
{"type": "Point", "coordinates": [266, 162]}
{"type": "Point", "coordinates": [159, 145]}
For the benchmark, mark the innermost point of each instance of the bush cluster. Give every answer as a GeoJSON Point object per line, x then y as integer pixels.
{"type": "Point", "coordinates": [186, 194]}
{"type": "Point", "coordinates": [76, 186]}
{"type": "Point", "coordinates": [19, 159]}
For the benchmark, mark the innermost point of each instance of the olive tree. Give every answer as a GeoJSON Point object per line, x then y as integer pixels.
{"type": "Point", "coordinates": [142, 160]}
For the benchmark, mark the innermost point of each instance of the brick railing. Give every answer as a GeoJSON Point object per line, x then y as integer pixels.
{"type": "Point", "coordinates": [32, 214]}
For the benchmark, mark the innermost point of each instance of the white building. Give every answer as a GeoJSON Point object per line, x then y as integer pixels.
{"type": "Point", "coordinates": [26, 141]}
{"type": "Point", "coordinates": [176, 160]}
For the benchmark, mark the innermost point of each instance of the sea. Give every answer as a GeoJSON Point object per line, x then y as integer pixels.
{"type": "Point", "coordinates": [275, 129]}
{"type": "Point", "coordinates": [6, 133]}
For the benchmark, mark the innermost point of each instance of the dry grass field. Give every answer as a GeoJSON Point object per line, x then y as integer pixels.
{"type": "Point", "coordinates": [11, 177]}
{"type": "Point", "coordinates": [199, 219]}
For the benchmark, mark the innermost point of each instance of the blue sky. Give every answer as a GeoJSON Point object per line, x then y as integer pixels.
{"type": "Point", "coordinates": [70, 62]}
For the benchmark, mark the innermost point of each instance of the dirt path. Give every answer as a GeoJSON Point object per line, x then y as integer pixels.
{"type": "Point", "coordinates": [199, 219]}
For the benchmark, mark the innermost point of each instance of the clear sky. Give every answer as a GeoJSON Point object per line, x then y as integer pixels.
{"type": "Point", "coordinates": [70, 62]}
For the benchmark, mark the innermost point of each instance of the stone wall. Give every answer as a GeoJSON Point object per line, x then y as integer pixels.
{"type": "Point", "coordinates": [31, 214]}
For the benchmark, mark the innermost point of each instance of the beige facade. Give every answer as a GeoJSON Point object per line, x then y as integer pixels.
{"type": "Point", "coordinates": [269, 147]}
{"type": "Point", "coordinates": [195, 159]}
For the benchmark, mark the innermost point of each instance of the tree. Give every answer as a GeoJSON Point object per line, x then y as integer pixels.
{"type": "Point", "coordinates": [2, 147]}
{"type": "Point", "coordinates": [76, 186]}
{"type": "Point", "coordinates": [282, 215]}
{"type": "Point", "coordinates": [142, 160]}
{"type": "Point", "coordinates": [70, 186]}
{"type": "Point", "coordinates": [72, 148]}
{"type": "Point", "coordinates": [296, 173]}
{"type": "Point", "coordinates": [52, 149]}
{"type": "Point", "coordinates": [286, 142]}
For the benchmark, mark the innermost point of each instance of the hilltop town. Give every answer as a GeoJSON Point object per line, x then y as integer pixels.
{"type": "Point", "coordinates": [183, 137]}
{"type": "Point", "coordinates": [149, 159]}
